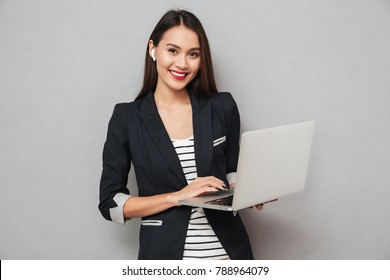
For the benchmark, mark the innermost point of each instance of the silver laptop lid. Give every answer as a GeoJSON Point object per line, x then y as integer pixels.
{"type": "Point", "coordinates": [272, 163]}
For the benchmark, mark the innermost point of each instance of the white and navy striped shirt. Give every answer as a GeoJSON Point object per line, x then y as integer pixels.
{"type": "Point", "coordinates": [201, 241]}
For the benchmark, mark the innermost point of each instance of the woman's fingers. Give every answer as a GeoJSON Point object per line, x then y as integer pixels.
{"type": "Point", "coordinates": [209, 182]}
{"type": "Point", "coordinates": [259, 206]}
{"type": "Point", "coordinates": [202, 185]}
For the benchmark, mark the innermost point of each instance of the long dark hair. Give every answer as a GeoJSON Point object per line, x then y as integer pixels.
{"type": "Point", "coordinates": [204, 82]}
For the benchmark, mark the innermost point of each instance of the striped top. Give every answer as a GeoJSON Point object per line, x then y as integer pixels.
{"type": "Point", "coordinates": [201, 241]}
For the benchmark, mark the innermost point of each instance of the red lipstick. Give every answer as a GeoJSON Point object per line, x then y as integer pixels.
{"type": "Point", "coordinates": [178, 75]}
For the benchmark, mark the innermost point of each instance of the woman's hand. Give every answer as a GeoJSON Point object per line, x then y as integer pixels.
{"type": "Point", "coordinates": [260, 206]}
{"type": "Point", "coordinates": [201, 185]}
{"type": "Point", "coordinates": [149, 205]}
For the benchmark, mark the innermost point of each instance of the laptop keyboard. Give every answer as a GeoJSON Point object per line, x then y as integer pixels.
{"type": "Point", "coordinates": [227, 200]}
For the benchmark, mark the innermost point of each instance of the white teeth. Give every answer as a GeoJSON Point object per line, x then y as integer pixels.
{"type": "Point", "coordinates": [178, 74]}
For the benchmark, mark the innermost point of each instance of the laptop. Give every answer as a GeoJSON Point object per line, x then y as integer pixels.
{"type": "Point", "coordinates": [272, 163]}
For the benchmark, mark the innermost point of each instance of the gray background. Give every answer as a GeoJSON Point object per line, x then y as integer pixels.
{"type": "Point", "coordinates": [64, 64]}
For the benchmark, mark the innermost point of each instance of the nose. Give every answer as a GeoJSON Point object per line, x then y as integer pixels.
{"type": "Point", "coordinates": [181, 61]}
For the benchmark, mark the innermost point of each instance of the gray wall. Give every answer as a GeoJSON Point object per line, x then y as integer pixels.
{"type": "Point", "coordinates": [64, 64]}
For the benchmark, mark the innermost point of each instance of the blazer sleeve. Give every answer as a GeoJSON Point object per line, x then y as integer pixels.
{"type": "Point", "coordinates": [116, 166]}
{"type": "Point", "coordinates": [232, 120]}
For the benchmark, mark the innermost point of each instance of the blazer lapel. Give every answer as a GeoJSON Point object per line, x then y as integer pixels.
{"type": "Point", "coordinates": [155, 127]}
{"type": "Point", "coordinates": [203, 134]}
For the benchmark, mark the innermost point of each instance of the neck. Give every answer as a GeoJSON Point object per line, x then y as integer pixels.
{"type": "Point", "coordinates": [169, 97]}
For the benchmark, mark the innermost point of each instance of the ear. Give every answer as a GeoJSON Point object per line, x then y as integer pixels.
{"type": "Point", "coordinates": [152, 50]}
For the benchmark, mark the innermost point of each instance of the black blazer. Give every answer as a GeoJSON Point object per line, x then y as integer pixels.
{"type": "Point", "coordinates": [136, 135]}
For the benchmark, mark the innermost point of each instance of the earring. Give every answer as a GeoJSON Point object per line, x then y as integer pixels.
{"type": "Point", "coordinates": [154, 58]}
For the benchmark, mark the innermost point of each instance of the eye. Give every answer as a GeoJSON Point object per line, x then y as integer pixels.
{"type": "Point", "coordinates": [194, 54]}
{"type": "Point", "coordinates": [172, 51]}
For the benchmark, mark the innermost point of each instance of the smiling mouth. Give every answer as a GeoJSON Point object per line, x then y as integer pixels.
{"type": "Point", "coordinates": [178, 75]}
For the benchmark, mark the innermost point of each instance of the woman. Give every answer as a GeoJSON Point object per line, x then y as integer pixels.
{"type": "Point", "coordinates": [181, 136]}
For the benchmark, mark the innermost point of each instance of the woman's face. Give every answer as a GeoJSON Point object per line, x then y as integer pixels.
{"type": "Point", "coordinates": [177, 58]}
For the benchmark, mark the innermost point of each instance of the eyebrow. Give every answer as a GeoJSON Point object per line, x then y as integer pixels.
{"type": "Point", "coordinates": [176, 46]}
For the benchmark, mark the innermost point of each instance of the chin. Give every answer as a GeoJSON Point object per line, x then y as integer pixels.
{"type": "Point", "coordinates": [179, 87]}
